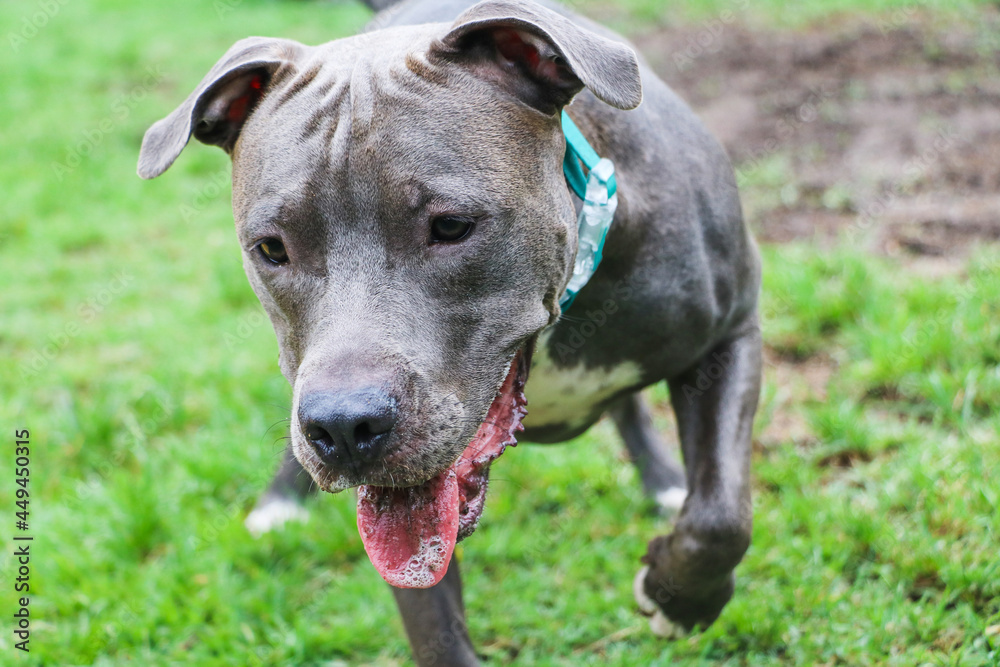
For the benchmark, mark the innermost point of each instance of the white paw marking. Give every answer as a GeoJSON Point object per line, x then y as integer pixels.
{"type": "Point", "coordinates": [664, 627]}
{"type": "Point", "coordinates": [646, 605]}
{"type": "Point", "coordinates": [659, 624]}
{"type": "Point", "coordinates": [273, 514]}
{"type": "Point", "coordinates": [671, 500]}
{"type": "Point", "coordinates": [567, 396]}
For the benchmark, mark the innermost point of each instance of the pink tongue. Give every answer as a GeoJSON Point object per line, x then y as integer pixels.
{"type": "Point", "coordinates": [410, 533]}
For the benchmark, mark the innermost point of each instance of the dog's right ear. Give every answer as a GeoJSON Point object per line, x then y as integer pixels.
{"type": "Point", "coordinates": [539, 56]}
{"type": "Point", "coordinates": [217, 109]}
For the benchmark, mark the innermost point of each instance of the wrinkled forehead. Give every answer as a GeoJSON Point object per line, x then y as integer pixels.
{"type": "Point", "coordinates": [377, 109]}
{"type": "Point", "coordinates": [450, 142]}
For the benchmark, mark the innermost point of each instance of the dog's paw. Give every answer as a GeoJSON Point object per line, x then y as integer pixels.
{"type": "Point", "coordinates": [659, 624]}
{"type": "Point", "coordinates": [273, 513]}
{"type": "Point", "coordinates": [670, 501]}
{"type": "Point", "coordinates": [646, 606]}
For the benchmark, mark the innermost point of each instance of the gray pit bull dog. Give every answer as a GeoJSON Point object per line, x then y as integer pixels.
{"type": "Point", "coordinates": [406, 223]}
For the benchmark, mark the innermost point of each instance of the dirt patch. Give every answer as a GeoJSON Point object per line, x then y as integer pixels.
{"type": "Point", "coordinates": [889, 136]}
{"type": "Point", "coordinates": [796, 382]}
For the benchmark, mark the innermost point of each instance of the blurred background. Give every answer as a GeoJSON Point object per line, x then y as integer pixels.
{"type": "Point", "coordinates": [866, 137]}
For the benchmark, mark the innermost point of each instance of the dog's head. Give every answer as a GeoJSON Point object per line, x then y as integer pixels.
{"type": "Point", "coordinates": [405, 222]}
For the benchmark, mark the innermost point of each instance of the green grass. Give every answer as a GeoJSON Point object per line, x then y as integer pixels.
{"type": "Point", "coordinates": [709, 14]}
{"type": "Point", "coordinates": [138, 357]}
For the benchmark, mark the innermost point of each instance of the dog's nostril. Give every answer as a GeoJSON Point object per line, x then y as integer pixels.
{"type": "Point", "coordinates": [380, 421]}
{"type": "Point", "coordinates": [363, 433]}
{"type": "Point", "coordinates": [317, 433]}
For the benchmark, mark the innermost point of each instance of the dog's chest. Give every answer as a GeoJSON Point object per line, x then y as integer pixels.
{"type": "Point", "coordinates": [567, 396]}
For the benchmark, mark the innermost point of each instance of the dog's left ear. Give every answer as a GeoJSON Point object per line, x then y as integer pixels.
{"type": "Point", "coordinates": [541, 57]}
{"type": "Point", "coordinates": [214, 113]}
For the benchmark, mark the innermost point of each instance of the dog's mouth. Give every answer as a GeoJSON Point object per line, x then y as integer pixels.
{"type": "Point", "coordinates": [410, 533]}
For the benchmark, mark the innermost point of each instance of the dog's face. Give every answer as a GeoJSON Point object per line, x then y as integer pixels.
{"type": "Point", "coordinates": [425, 235]}
{"type": "Point", "coordinates": [405, 222]}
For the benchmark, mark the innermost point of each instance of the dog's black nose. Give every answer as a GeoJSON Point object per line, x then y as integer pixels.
{"type": "Point", "coordinates": [348, 428]}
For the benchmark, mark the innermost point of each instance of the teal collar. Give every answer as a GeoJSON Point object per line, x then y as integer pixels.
{"type": "Point", "coordinates": [598, 189]}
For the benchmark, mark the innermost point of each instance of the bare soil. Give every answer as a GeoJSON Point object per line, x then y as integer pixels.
{"type": "Point", "coordinates": [887, 135]}
{"type": "Point", "coordinates": [884, 135]}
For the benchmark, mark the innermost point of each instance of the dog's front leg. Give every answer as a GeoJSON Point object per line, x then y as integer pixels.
{"type": "Point", "coordinates": [688, 577]}
{"type": "Point", "coordinates": [435, 622]}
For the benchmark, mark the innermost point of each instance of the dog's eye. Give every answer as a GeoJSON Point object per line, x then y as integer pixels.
{"type": "Point", "coordinates": [273, 251]}
{"type": "Point", "coordinates": [447, 228]}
